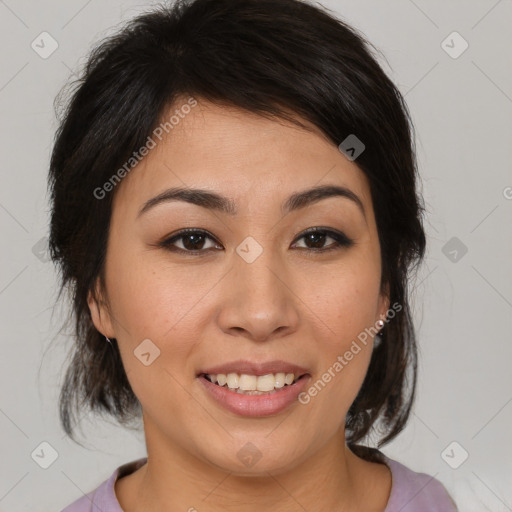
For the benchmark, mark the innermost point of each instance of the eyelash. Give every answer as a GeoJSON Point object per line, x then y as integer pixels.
{"type": "Point", "coordinates": [341, 240]}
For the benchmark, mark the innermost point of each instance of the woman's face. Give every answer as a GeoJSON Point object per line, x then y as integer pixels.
{"type": "Point", "coordinates": [254, 295]}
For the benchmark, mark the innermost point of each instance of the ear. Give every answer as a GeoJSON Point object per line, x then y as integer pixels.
{"type": "Point", "coordinates": [99, 312]}
{"type": "Point", "coordinates": [384, 304]}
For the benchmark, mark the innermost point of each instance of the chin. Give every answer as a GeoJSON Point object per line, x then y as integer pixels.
{"type": "Point", "coordinates": [255, 456]}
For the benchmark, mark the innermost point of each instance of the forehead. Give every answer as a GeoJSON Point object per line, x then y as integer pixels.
{"type": "Point", "coordinates": [247, 157]}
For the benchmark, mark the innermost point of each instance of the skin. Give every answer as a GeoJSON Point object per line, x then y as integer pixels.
{"type": "Point", "coordinates": [291, 303]}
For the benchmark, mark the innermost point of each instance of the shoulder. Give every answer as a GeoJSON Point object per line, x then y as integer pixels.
{"type": "Point", "coordinates": [99, 499]}
{"type": "Point", "coordinates": [416, 492]}
{"type": "Point", "coordinates": [103, 497]}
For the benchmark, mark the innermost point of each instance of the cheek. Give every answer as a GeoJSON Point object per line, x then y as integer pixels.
{"type": "Point", "coordinates": [346, 303]}
{"type": "Point", "coordinates": [346, 300]}
{"type": "Point", "coordinates": [160, 304]}
{"type": "Point", "coordinates": [152, 299]}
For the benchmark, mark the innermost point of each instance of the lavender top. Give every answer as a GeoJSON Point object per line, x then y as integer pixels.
{"type": "Point", "coordinates": [410, 492]}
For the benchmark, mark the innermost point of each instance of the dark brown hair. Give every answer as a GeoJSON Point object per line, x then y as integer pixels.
{"type": "Point", "coordinates": [270, 57]}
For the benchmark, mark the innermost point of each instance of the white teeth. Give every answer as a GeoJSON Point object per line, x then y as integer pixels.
{"type": "Point", "coordinates": [232, 380]}
{"type": "Point", "coordinates": [248, 382]}
{"type": "Point", "coordinates": [279, 380]}
{"type": "Point", "coordinates": [289, 378]}
{"type": "Point", "coordinates": [252, 384]}
{"type": "Point", "coordinates": [266, 382]}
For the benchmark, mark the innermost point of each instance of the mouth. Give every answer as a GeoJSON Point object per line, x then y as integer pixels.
{"type": "Point", "coordinates": [249, 389]}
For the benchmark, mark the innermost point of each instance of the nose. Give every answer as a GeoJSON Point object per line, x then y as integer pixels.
{"type": "Point", "coordinates": [259, 302]}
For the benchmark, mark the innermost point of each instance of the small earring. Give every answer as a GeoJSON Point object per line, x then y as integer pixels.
{"type": "Point", "coordinates": [380, 324]}
{"type": "Point", "coordinates": [108, 340]}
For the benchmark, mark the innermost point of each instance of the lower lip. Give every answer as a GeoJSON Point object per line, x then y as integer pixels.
{"type": "Point", "coordinates": [255, 405]}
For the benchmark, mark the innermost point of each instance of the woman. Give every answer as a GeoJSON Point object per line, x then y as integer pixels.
{"type": "Point", "coordinates": [234, 209]}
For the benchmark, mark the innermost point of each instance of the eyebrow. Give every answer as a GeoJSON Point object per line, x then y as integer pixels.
{"type": "Point", "coordinates": [214, 201]}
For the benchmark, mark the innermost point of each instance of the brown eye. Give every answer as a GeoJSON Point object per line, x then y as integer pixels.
{"type": "Point", "coordinates": [191, 240]}
{"type": "Point", "coordinates": [316, 238]}
{"type": "Point", "coordinates": [195, 241]}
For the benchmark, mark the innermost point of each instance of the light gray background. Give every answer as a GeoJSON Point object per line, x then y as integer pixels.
{"type": "Point", "coordinates": [461, 109]}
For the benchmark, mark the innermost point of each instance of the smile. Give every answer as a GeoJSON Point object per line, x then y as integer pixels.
{"type": "Point", "coordinates": [252, 389]}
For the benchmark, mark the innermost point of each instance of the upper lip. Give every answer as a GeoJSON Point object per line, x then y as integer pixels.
{"type": "Point", "coordinates": [254, 368]}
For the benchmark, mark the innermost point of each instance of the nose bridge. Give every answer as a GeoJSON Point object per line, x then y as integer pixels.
{"type": "Point", "coordinates": [260, 301]}
{"type": "Point", "coordinates": [256, 267]}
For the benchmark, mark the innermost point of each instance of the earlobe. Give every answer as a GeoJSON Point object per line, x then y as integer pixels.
{"type": "Point", "coordinates": [99, 315]}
